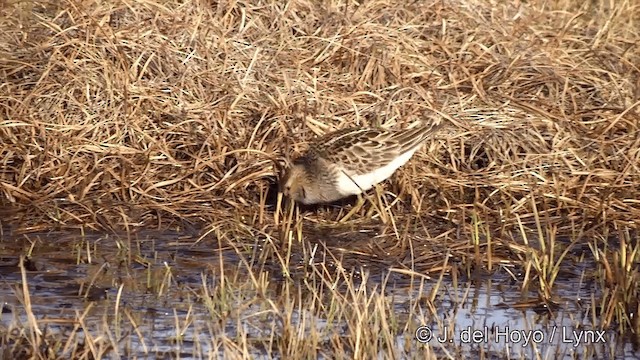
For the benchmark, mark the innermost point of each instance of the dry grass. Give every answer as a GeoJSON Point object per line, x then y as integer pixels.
{"type": "Point", "coordinates": [126, 115]}
{"type": "Point", "coordinates": [131, 115]}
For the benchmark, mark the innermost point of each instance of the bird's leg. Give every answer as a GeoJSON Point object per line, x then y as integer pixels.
{"type": "Point", "coordinates": [379, 205]}
{"type": "Point", "coordinates": [358, 205]}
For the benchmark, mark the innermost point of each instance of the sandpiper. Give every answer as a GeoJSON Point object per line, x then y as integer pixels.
{"type": "Point", "coordinates": [350, 161]}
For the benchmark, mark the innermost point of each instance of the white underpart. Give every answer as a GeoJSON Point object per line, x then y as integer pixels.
{"type": "Point", "coordinates": [356, 184]}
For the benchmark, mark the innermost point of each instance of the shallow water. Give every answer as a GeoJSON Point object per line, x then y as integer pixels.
{"type": "Point", "coordinates": [103, 284]}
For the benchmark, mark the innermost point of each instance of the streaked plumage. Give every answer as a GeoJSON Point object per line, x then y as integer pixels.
{"type": "Point", "coordinates": [350, 161]}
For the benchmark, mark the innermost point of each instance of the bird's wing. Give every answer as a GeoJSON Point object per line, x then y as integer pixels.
{"type": "Point", "coordinates": [358, 151]}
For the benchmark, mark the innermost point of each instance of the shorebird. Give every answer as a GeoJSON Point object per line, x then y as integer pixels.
{"type": "Point", "coordinates": [350, 161]}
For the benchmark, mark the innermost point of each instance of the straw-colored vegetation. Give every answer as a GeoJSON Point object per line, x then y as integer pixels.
{"type": "Point", "coordinates": [128, 115]}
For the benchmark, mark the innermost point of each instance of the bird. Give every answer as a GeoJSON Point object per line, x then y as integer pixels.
{"type": "Point", "coordinates": [351, 161]}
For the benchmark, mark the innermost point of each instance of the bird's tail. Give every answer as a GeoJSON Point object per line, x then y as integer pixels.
{"type": "Point", "coordinates": [410, 138]}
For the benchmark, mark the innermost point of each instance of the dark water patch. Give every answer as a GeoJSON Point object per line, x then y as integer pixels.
{"type": "Point", "coordinates": [167, 294]}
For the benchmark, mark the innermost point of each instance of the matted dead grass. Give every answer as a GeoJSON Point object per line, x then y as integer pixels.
{"type": "Point", "coordinates": [130, 115]}
{"type": "Point", "coordinates": [135, 114]}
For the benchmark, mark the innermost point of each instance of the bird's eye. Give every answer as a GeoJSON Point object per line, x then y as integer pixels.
{"type": "Point", "coordinates": [303, 192]}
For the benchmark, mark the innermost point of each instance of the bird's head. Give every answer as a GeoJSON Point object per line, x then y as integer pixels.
{"type": "Point", "coordinates": [296, 184]}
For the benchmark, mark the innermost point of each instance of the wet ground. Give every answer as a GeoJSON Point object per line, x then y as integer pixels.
{"type": "Point", "coordinates": [150, 294]}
